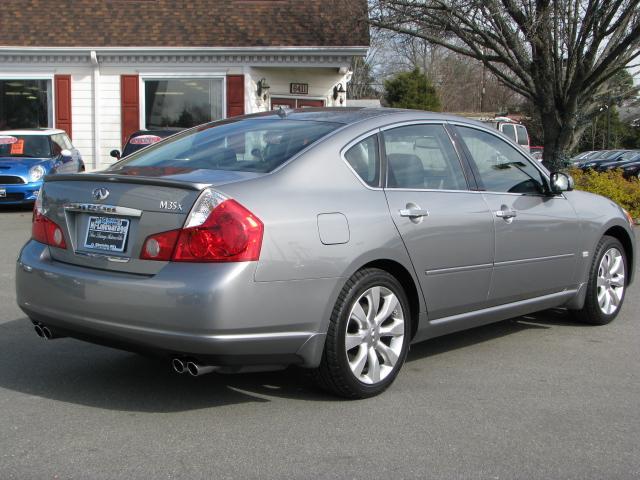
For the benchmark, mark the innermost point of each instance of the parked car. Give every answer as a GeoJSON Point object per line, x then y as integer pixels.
{"type": "Point", "coordinates": [536, 152]}
{"type": "Point", "coordinates": [602, 156]}
{"type": "Point", "coordinates": [143, 138]}
{"type": "Point", "coordinates": [27, 156]}
{"type": "Point", "coordinates": [512, 129]}
{"type": "Point", "coordinates": [619, 160]}
{"type": "Point", "coordinates": [583, 156]}
{"type": "Point", "coordinates": [631, 170]}
{"type": "Point", "coordinates": [325, 238]}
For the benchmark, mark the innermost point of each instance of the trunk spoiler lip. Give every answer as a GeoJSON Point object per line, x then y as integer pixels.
{"type": "Point", "coordinates": [101, 177]}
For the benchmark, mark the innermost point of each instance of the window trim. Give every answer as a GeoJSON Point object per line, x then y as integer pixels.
{"type": "Point", "coordinates": [142, 77]}
{"type": "Point", "coordinates": [461, 159]}
{"type": "Point", "coordinates": [354, 142]}
{"type": "Point", "coordinates": [544, 174]}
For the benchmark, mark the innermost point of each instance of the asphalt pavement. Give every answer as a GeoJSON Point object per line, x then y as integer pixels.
{"type": "Point", "coordinates": [536, 397]}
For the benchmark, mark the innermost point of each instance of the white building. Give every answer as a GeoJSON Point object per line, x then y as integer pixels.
{"type": "Point", "coordinates": [115, 74]}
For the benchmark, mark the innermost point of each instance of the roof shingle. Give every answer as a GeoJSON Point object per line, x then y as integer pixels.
{"type": "Point", "coordinates": [183, 23]}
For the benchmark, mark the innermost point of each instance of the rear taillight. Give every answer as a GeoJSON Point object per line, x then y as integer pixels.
{"type": "Point", "coordinates": [44, 230]}
{"type": "Point", "coordinates": [217, 230]}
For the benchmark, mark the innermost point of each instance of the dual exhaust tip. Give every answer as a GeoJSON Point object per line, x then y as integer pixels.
{"type": "Point", "coordinates": [192, 367]}
{"type": "Point", "coordinates": [45, 332]}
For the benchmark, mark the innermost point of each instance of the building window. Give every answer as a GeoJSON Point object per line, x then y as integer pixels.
{"type": "Point", "coordinates": [183, 102]}
{"type": "Point", "coordinates": [25, 104]}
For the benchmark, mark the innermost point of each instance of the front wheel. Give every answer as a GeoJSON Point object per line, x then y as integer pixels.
{"type": "Point", "coordinates": [368, 336]}
{"type": "Point", "coordinates": [606, 285]}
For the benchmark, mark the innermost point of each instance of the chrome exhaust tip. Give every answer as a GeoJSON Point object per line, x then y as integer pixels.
{"type": "Point", "coordinates": [195, 369]}
{"type": "Point", "coordinates": [48, 334]}
{"type": "Point", "coordinates": [178, 365]}
{"type": "Point", "coordinates": [39, 331]}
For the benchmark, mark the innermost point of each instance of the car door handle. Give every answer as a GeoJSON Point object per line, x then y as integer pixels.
{"type": "Point", "coordinates": [413, 212]}
{"type": "Point", "coordinates": [506, 214]}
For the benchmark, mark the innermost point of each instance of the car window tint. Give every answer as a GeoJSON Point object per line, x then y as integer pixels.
{"type": "Point", "coordinates": [422, 157]}
{"type": "Point", "coordinates": [523, 138]}
{"type": "Point", "coordinates": [509, 130]}
{"type": "Point", "coordinates": [363, 158]}
{"type": "Point", "coordinates": [245, 145]}
{"type": "Point", "coordinates": [502, 167]}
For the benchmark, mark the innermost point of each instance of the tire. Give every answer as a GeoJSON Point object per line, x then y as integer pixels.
{"type": "Point", "coordinates": [605, 289]}
{"type": "Point", "coordinates": [381, 338]}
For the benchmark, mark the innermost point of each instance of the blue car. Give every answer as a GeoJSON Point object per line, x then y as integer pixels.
{"type": "Point", "coordinates": [27, 156]}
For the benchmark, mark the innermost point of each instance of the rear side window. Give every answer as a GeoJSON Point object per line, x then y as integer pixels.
{"type": "Point", "coordinates": [422, 157]}
{"type": "Point", "coordinates": [250, 145]}
{"type": "Point", "coordinates": [363, 158]}
{"type": "Point", "coordinates": [502, 167]}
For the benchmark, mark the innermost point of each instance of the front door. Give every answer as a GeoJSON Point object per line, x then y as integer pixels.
{"type": "Point", "coordinates": [447, 229]}
{"type": "Point", "coordinates": [536, 233]}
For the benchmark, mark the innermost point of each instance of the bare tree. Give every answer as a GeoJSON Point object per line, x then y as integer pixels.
{"type": "Point", "coordinates": [558, 54]}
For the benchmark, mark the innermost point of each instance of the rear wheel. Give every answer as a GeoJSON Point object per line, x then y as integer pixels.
{"type": "Point", "coordinates": [607, 283]}
{"type": "Point", "coordinates": [368, 336]}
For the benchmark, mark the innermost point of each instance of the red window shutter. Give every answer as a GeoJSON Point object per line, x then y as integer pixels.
{"type": "Point", "coordinates": [62, 113]}
{"type": "Point", "coordinates": [235, 95]}
{"type": "Point", "coordinates": [129, 105]}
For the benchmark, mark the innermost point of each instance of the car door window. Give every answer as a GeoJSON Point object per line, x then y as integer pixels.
{"type": "Point", "coordinates": [523, 137]}
{"type": "Point", "coordinates": [422, 157]}
{"type": "Point", "coordinates": [502, 168]}
{"type": "Point", "coordinates": [363, 158]}
{"type": "Point", "coordinates": [509, 130]}
{"type": "Point", "coordinates": [58, 144]}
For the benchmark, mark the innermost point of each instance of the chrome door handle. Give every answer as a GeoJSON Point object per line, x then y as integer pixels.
{"type": "Point", "coordinates": [506, 214]}
{"type": "Point", "coordinates": [413, 212]}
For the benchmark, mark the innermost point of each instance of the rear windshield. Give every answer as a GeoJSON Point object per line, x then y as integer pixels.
{"type": "Point", "coordinates": [36, 146]}
{"type": "Point", "coordinates": [252, 145]}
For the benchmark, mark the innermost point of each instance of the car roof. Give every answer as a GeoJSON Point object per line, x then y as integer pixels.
{"type": "Point", "coordinates": [32, 131]}
{"type": "Point", "coordinates": [351, 115]}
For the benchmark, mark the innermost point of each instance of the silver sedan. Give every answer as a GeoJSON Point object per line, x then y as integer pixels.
{"type": "Point", "coordinates": [331, 239]}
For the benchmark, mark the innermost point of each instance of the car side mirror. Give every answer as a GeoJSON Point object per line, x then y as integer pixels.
{"type": "Point", "coordinates": [66, 153]}
{"type": "Point", "coordinates": [561, 182]}
{"type": "Point", "coordinates": [115, 154]}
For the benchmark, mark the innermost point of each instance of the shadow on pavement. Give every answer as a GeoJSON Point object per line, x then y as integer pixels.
{"type": "Point", "coordinates": [75, 372]}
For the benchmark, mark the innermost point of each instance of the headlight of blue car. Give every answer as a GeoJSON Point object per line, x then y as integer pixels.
{"type": "Point", "coordinates": [36, 173]}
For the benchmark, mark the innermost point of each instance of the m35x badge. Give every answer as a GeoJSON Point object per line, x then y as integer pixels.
{"type": "Point", "coordinates": [167, 205]}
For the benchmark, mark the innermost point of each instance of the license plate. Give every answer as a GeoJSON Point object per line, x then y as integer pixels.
{"type": "Point", "coordinates": [3, 192]}
{"type": "Point", "coordinates": [107, 233]}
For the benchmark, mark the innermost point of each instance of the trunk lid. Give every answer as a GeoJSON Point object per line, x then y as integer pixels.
{"type": "Point", "coordinates": [106, 217]}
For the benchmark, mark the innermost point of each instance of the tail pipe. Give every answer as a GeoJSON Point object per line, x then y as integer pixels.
{"type": "Point", "coordinates": [192, 367]}
{"type": "Point", "coordinates": [46, 333]}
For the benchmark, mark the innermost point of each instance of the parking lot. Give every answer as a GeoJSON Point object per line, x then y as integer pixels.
{"type": "Point", "coordinates": [535, 397]}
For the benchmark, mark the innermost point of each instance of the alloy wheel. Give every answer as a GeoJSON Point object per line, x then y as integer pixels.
{"type": "Point", "coordinates": [375, 335]}
{"type": "Point", "coordinates": [610, 281]}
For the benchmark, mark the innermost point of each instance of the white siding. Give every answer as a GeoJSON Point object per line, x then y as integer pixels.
{"type": "Point", "coordinates": [82, 116]}
{"type": "Point", "coordinates": [110, 124]}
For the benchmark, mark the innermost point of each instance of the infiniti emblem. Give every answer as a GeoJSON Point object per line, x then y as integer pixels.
{"type": "Point", "coordinates": [100, 193]}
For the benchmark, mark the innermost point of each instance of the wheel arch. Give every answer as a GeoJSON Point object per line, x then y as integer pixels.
{"type": "Point", "coordinates": [624, 238]}
{"type": "Point", "coordinates": [408, 284]}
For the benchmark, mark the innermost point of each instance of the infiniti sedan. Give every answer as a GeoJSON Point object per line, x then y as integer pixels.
{"type": "Point", "coordinates": [331, 239]}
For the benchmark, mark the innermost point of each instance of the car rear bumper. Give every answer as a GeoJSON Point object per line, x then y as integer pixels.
{"type": "Point", "coordinates": [24, 193]}
{"type": "Point", "coordinates": [216, 313]}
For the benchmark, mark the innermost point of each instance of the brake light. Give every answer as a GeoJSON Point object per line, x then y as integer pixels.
{"type": "Point", "coordinates": [217, 230]}
{"type": "Point", "coordinates": [46, 231]}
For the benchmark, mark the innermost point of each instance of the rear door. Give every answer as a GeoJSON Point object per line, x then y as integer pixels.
{"type": "Point", "coordinates": [536, 233]}
{"type": "Point", "coordinates": [446, 227]}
